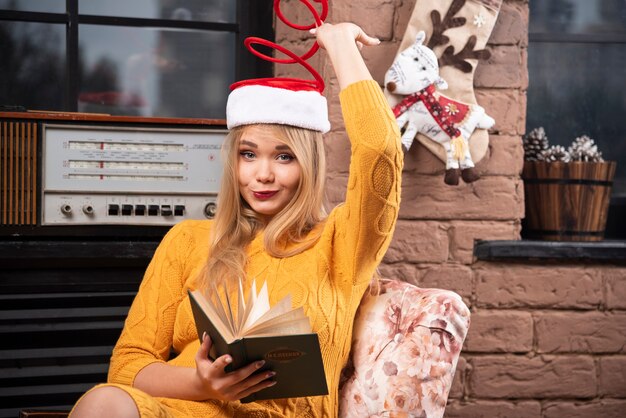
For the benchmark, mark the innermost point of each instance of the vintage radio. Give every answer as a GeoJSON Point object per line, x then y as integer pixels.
{"type": "Point", "coordinates": [62, 176]}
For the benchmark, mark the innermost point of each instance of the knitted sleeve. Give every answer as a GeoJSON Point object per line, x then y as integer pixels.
{"type": "Point", "coordinates": [147, 334]}
{"type": "Point", "coordinates": [368, 217]}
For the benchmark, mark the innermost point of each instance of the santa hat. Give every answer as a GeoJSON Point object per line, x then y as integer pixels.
{"type": "Point", "coordinates": [284, 101]}
{"type": "Point", "coordinates": [258, 103]}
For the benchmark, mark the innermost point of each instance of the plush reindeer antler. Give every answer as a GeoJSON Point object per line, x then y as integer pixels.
{"type": "Point", "coordinates": [438, 38]}
{"type": "Point", "coordinates": [449, 22]}
{"type": "Point", "coordinates": [458, 60]}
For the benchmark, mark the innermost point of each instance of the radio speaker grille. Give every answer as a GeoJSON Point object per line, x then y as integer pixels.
{"type": "Point", "coordinates": [18, 173]}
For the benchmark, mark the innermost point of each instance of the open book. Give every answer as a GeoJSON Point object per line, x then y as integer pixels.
{"type": "Point", "coordinates": [251, 331]}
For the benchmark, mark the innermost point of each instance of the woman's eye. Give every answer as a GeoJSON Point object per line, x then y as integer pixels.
{"type": "Point", "coordinates": [246, 154]}
{"type": "Point", "coordinates": [286, 157]}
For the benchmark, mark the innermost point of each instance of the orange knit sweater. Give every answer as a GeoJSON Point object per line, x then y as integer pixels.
{"type": "Point", "coordinates": [328, 280]}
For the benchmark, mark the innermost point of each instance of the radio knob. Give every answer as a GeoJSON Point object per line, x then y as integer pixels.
{"type": "Point", "coordinates": [210, 209]}
{"type": "Point", "coordinates": [66, 209]}
{"type": "Point", "coordinates": [127, 210]}
{"type": "Point", "coordinates": [140, 210]}
{"type": "Point", "coordinates": [114, 210]}
{"type": "Point", "coordinates": [166, 210]}
{"type": "Point", "coordinates": [179, 210]}
{"type": "Point", "coordinates": [88, 210]}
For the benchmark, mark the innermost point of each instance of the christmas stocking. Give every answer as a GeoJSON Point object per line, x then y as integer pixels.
{"type": "Point", "coordinates": [457, 31]}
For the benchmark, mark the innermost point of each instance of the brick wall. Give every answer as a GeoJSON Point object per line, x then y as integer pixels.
{"type": "Point", "coordinates": [547, 339]}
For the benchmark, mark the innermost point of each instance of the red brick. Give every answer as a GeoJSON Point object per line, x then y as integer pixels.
{"type": "Point", "coordinates": [379, 59]}
{"type": "Point", "coordinates": [493, 409]}
{"type": "Point", "coordinates": [420, 160]}
{"type": "Point", "coordinates": [613, 376]}
{"type": "Point", "coordinates": [402, 17]}
{"type": "Point", "coordinates": [449, 276]}
{"type": "Point", "coordinates": [464, 234]}
{"type": "Point", "coordinates": [490, 198]}
{"type": "Point", "coordinates": [506, 68]}
{"type": "Point", "coordinates": [606, 408]}
{"type": "Point", "coordinates": [552, 286]}
{"type": "Point", "coordinates": [297, 13]}
{"type": "Point", "coordinates": [521, 377]}
{"type": "Point", "coordinates": [511, 26]}
{"type": "Point", "coordinates": [418, 242]}
{"type": "Point", "coordinates": [495, 331]}
{"type": "Point", "coordinates": [410, 273]}
{"type": "Point", "coordinates": [507, 107]}
{"type": "Point", "coordinates": [504, 157]}
{"type": "Point", "coordinates": [382, 25]}
{"type": "Point", "coordinates": [299, 47]}
{"type": "Point", "coordinates": [337, 153]}
{"type": "Point", "coordinates": [615, 287]}
{"type": "Point", "coordinates": [580, 332]}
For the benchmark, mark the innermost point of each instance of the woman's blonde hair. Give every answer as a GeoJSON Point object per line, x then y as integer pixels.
{"type": "Point", "coordinates": [236, 224]}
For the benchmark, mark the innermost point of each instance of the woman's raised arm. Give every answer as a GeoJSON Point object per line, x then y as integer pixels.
{"type": "Point", "coordinates": [342, 42]}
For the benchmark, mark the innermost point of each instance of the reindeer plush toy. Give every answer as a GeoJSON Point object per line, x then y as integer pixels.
{"type": "Point", "coordinates": [415, 75]}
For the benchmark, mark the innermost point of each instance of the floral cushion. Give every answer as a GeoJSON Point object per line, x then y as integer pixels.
{"type": "Point", "coordinates": [405, 347]}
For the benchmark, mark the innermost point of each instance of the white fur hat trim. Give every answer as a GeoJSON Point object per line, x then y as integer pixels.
{"type": "Point", "coordinates": [251, 104]}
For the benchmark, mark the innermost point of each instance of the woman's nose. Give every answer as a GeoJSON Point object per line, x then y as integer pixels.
{"type": "Point", "coordinates": [264, 172]}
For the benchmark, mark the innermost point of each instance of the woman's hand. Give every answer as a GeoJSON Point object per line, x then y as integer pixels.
{"type": "Point", "coordinates": [329, 33]}
{"type": "Point", "coordinates": [342, 43]}
{"type": "Point", "coordinates": [215, 383]}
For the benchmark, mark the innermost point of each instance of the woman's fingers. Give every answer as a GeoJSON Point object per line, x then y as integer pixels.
{"type": "Point", "coordinates": [365, 39]}
{"type": "Point", "coordinates": [232, 385]}
{"type": "Point", "coordinates": [256, 383]}
{"type": "Point", "coordinates": [205, 347]}
{"type": "Point", "coordinates": [360, 37]}
{"type": "Point", "coordinates": [202, 356]}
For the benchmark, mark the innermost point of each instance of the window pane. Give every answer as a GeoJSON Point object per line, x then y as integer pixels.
{"type": "Point", "coordinates": [576, 89]}
{"type": "Point", "coordinates": [33, 65]}
{"type": "Point", "coordinates": [49, 6]}
{"type": "Point", "coordinates": [578, 16]}
{"type": "Point", "coordinates": [155, 72]}
{"type": "Point", "coordinates": [196, 10]}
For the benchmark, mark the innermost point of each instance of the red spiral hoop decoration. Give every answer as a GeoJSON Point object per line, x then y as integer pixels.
{"type": "Point", "coordinates": [286, 82]}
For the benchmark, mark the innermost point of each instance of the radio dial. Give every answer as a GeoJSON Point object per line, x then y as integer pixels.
{"type": "Point", "coordinates": [210, 209]}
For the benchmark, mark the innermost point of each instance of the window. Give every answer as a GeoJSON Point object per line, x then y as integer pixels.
{"type": "Point", "coordinates": [576, 61]}
{"type": "Point", "coordinates": [166, 58]}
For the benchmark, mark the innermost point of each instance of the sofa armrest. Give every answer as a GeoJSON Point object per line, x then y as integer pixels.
{"type": "Point", "coordinates": [405, 347]}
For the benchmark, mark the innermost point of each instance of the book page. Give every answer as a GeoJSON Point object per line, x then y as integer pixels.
{"type": "Point", "coordinates": [283, 327]}
{"type": "Point", "coordinates": [250, 301]}
{"type": "Point", "coordinates": [282, 307]}
{"type": "Point", "coordinates": [216, 303]}
{"type": "Point", "coordinates": [260, 305]}
{"type": "Point", "coordinates": [241, 308]}
{"type": "Point", "coordinates": [213, 316]}
{"type": "Point", "coordinates": [230, 314]}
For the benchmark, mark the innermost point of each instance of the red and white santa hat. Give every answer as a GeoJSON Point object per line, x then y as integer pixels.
{"type": "Point", "coordinates": [259, 103]}
{"type": "Point", "coordinates": [284, 101]}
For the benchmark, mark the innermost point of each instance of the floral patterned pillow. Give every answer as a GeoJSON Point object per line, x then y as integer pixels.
{"type": "Point", "coordinates": [405, 347]}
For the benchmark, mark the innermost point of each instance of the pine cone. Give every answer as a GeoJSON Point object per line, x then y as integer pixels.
{"type": "Point", "coordinates": [534, 144]}
{"type": "Point", "coordinates": [584, 149]}
{"type": "Point", "coordinates": [555, 153]}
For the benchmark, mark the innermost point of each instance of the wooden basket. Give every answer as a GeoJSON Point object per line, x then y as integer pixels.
{"type": "Point", "coordinates": [567, 201]}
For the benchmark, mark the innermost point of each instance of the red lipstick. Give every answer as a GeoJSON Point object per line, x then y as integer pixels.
{"type": "Point", "coordinates": [264, 195]}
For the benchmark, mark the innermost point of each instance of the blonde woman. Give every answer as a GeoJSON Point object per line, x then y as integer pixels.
{"type": "Point", "coordinates": [271, 226]}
